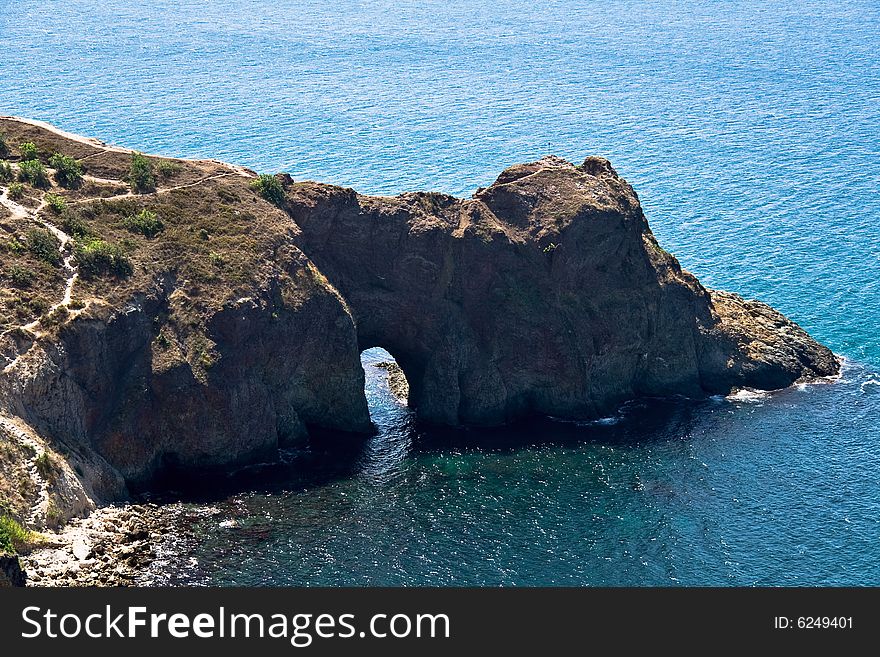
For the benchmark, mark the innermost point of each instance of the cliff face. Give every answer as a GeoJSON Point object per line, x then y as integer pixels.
{"type": "Point", "coordinates": [234, 326]}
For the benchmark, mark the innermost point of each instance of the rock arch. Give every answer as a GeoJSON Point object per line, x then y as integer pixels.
{"type": "Point", "coordinates": [545, 293]}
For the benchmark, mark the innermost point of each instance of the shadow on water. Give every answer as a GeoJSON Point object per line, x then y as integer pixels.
{"type": "Point", "coordinates": [330, 456]}
{"type": "Point", "coordinates": [635, 423]}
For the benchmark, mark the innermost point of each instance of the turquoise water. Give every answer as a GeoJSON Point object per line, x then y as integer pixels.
{"type": "Point", "coordinates": [750, 130]}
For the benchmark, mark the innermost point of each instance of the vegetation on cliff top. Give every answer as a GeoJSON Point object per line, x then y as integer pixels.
{"type": "Point", "coordinates": [28, 151]}
{"type": "Point", "coordinates": [145, 222]}
{"type": "Point", "coordinates": [34, 173]}
{"type": "Point", "coordinates": [140, 174]}
{"type": "Point", "coordinates": [269, 187]}
{"type": "Point", "coordinates": [68, 172]}
{"type": "Point", "coordinates": [96, 257]}
{"type": "Point", "coordinates": [199, 224]}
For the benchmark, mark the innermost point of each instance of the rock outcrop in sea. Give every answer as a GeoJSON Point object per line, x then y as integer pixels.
{"type": "Point", "coordinates": [187, 319]}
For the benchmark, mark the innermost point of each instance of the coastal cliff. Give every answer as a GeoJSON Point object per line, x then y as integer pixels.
{"type": "Point", "coordinates": [164, 314]}
{"type": "Point", "coordinates": [546, 293]}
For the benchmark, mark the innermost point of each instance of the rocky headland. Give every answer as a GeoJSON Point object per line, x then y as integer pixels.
{"type": "Point", "coordinates": [163, 315]}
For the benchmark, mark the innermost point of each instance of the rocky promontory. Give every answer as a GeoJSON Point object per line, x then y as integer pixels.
{"type": "Point", "coordinates": [160, 314]}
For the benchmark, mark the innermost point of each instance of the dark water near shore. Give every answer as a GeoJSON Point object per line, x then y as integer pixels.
{"type": "Point", "coordinates": [763, 490]}
{"type": "Point", "coordinates": [750, 130]}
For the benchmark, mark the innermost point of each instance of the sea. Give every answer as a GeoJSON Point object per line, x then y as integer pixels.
{"type": "Point", "coordinates": [751, 131]}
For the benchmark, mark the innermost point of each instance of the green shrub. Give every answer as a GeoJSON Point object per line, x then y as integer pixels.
{"type": "Point", "coordinates": [56, 203]}
{"type": "Point", "coordinates": [73, 225]}
{"type": "Point", "coordinates": [205, 358]}
{"type": "Point", "coordinates": [44, 466]}
{"type": "Point", "coordinates": [13, 537]}
{"type": "Point", "coordinates": [16, 191]}
{"type": "Point", "coordinates": [68, 172]}
{"type": "Point", "coordinates": [4, 147]}
{"type": "Point", "coordinates": [144, 222]}
{"type": "Point", "coordinates": [21, 276]}
{"type": "Point", "coordinates": [216, 259]}
{"type": "Point", "coordinates": [28, 151]}
{"type": "Point", "coordinates": [5, 172]}
{"type": "Point", "coordinates": [38, 305]}
{"type": "Point", "coordinates": [34, 173]}
{"type": "Point", "coordinates": [140, 174]}
{"type": "Point", "coordinates": [167, 168]}
{"type": "Point", "coordinates": [269, 187]}
{"type": "Point", "coordinates": [14, 246]}
{"type": "Point", "coordinates": [97, 258]}
{"type": "Point", "coordinates": [44, 245]}
{"type": "Point", "coordinates": [55, 318]}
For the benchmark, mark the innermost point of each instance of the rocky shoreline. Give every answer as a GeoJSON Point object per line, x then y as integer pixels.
{"type": "Point", "coordinates": [111, 547]}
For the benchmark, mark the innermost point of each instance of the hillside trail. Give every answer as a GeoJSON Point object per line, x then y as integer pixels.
{"type": "Point", "coordinates": [65, 248]}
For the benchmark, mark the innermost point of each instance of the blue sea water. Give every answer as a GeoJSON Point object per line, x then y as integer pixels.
{"type": "Point", "coordinates": [751, 131]}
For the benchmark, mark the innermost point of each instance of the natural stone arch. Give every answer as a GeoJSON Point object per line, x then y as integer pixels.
{"type": "Point", "coordinates": [546, 293]}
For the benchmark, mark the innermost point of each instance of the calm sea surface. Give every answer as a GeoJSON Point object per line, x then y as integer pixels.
{"type": "Point", "coordinates": [751, 131]}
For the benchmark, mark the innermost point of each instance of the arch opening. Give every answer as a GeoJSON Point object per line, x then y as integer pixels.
{"type": "Point", "coordinates": [384, 379]}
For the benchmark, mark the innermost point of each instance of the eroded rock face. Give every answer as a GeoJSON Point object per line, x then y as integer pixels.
{"type": "Point", "coordinates": [544, 294]}
{"type": "Point", "coordinates": [281, 360]}
{"type": "Point", "coordinates": [239, 325]}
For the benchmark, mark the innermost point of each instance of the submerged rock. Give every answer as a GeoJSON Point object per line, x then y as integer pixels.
{"type": "Point", "coordinates": [233, 325]}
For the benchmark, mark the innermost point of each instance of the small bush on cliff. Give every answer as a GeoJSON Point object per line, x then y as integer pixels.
{"type": "Point", "coordinates": [4, 147]}
{"type": "Point", "coordinates": [140, 174]}
{"type": "Point", "coordinates": [13, 245]}
{"type": "Point", "coordinates": [167, 168]}
{"type": "Point", "coordinates": [5, 172]}
{"type": "Point", "coordinates": [55, 318]}
{"type": "Point", "coordinates": [45, 466]}
{"type": "Point", "coordinates": [97, 258]}
{"type": "Point", "coordinates": [21, 276]}
{"type": "Point", "coordinates": [28, 151]}
{"type": "Point", "coordinates": [68, 172]}
{"type": "Point", "coordinates": [144, 222]}
{"type": "Point", "coordinates": [44, 245]}
{"type": "Point", "coordinates": [13, 537]}
{"type": "Point", "coordinates": [16, 191]}
{"type": "Point", "coordinates": [33, 172]}
{"type": "Point", "coordinates": [56, 203]}
{"type": "Point", "coordinates": [73, 225]}
{"type": "Point", "coordinates": [269, 187]}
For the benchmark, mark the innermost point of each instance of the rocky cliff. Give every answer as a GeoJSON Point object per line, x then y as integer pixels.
{"type": "Point", "coordinates": [546, 293]}
{"type": "Point", "coordinates": [206, 317]}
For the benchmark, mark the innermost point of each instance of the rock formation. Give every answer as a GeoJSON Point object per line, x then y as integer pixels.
{"type": "Point", "coordinates": [546, 294]}
{"type": "Point", "coordinates": [234, 325]}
